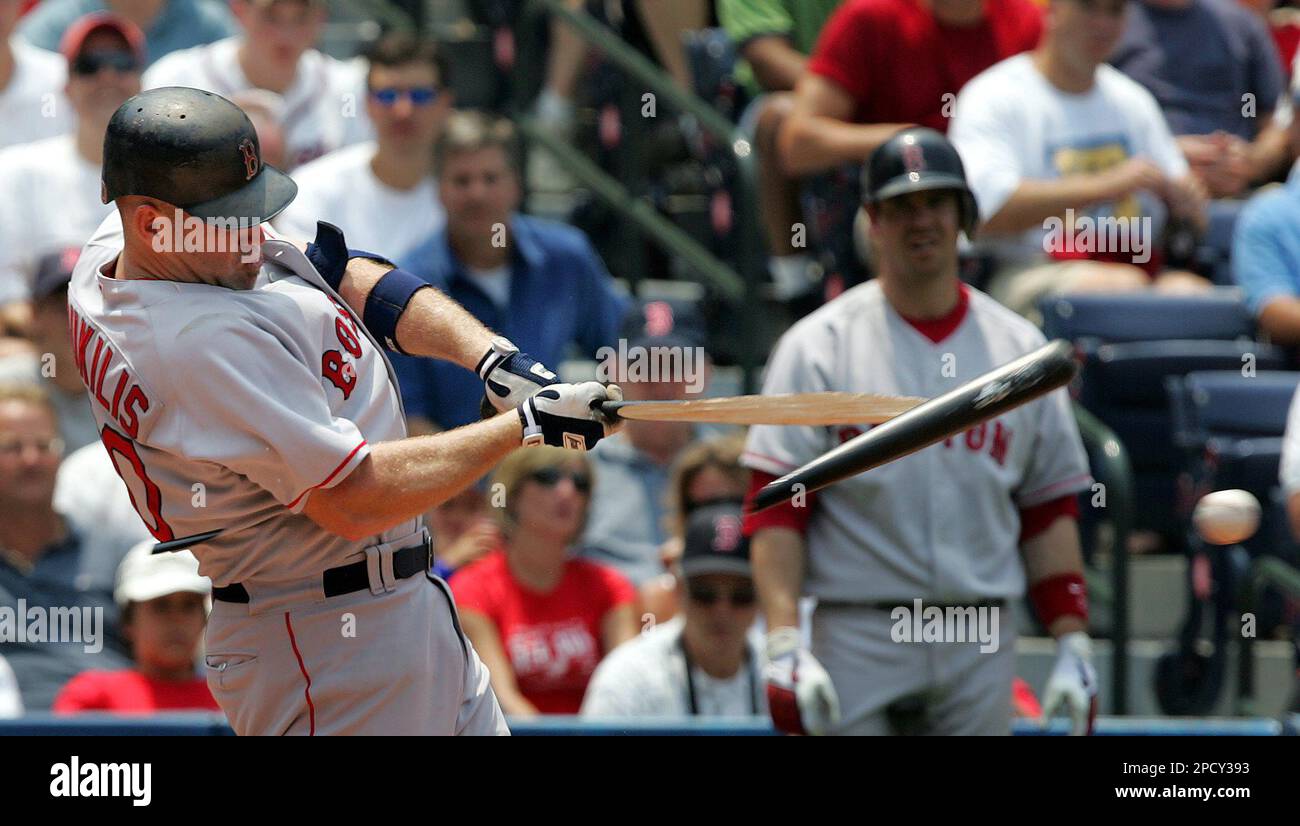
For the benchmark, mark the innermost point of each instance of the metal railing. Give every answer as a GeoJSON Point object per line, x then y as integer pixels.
{"type": "Point", "coordinates": [1116, 474]}
{"type": "Point", "coordinates": [738, 285]}
{"type": "Point", "coordinates": [1267, 571]}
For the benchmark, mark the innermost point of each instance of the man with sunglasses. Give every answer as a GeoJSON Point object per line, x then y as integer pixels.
{"type": "Point", "coordinates": [381, 193]}
{"type": "Point", "coordinates": [323, 97]}
{"type": "Point", "coordinates": [706, 661]}
{"type": "Point", "coordinates": [51, 186]}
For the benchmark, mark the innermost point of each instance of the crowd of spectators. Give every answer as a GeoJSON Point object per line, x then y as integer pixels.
{"type": "Point", "coordinates": [1175, 113]}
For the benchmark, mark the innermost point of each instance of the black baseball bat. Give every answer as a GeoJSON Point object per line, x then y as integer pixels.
{"type": "Point", "coordinates": [185, 542]}
{"type": "Point", "coordinates": [1011, 385]}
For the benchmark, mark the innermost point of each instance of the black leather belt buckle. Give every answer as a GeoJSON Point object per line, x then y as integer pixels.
{"type": "Point", "coordinates": [347, 579]}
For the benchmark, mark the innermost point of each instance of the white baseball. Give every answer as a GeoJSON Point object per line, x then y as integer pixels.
{"type": "Point", "coordinates": [1226, 516]}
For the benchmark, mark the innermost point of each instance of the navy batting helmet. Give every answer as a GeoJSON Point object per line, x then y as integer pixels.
{"type": "Point", "coordinates": [194, 150]}
{"type": "Point", "coordinates": [915, 160]}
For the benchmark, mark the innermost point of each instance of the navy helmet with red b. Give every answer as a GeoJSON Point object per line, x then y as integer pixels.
{"type": "Point", "coordinates": [916, 160]}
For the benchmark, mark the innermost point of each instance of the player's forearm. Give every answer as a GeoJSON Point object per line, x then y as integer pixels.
{"type": "Point", "coordinates": [1051, 553]}
{"type": "Point", "coordinates": [811, 143]}
{"type": "Point", "coordinates": [432, 325]}
{"type": "Point", "coordinates": [778, 562]}
{"type": "Point", "coordinates": [403, 479]}
{"type": "Point", "coordinates": [1034, 202]}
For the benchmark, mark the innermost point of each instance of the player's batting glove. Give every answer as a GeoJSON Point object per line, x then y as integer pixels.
{"type": "Point", "coordinates": [568, 415]}
{"type": "Point", "coordinates": [1073, 684]}
{"type": "Point", "coordinates": [509, 377]}
{"type": "Point", "coordinates": [800, 696]}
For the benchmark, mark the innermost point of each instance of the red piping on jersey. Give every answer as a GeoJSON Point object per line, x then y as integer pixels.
{"type": "Point", "coordinates": [329, 478]}
{"type": "Point", "coordinates": [311, 708]}
{"type": "Point", "coordinates": [937, 329]}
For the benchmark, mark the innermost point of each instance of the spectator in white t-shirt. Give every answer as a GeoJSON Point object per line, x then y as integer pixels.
{"type": "Point", "coordinates": [52, 187]}
{"type": "Point", "coordinates": [706, 661]}
{"type": "Point", "coordinates": [1054, 136]}
{"type": "Point", "coordinates": [382, 193]}
{"type": "Point", "coordinates": [32, 105]}
{"type": "Point", "coordinates": [323, 96]}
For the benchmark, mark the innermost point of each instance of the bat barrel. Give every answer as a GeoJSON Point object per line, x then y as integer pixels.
{"type": "Point", "coordinates": [993, 393]}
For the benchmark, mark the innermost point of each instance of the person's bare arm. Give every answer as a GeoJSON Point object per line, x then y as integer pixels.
{"type": "Point", "coordinates": [1270, 152]}
{"type": "Point", "coordinates": [1293, 514]}
{"type": "Point", "coordinates": [818, 134]}
{"type": "Point", "coordinates": [617, 626]}
{"type": "Point", "coordinates": [433, 325]}
{"type": "Point", "coordinates": [485, 638]}
{"type": "Point", "coordinates": [777, 65]}
{"type": "Point", "coordinates": [1053, 552]}
{"type": "Point", "coordinates": [1034, 201]}
{"type": "Point", "coordinates": [402, 479]}
{"type": "Point", "coordinates": [778, 561]}
{"type": "Point", "coordinates": [1280, 320]}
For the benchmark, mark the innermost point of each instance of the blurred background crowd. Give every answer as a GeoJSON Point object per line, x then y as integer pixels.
{"type": "Point", "coordinates": [685, 173]}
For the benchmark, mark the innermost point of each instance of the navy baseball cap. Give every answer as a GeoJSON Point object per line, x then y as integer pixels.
{"type": "Point", "coordinates": [54, 271]}
{"type": "Point", "coordinates": [665, 323]}
{"type": "Point", "coordinates": [715, 543]}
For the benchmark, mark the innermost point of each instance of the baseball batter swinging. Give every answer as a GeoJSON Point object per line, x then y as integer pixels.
{"type": "Point", "coordinates": [239, 384]}
{"type": "Point", "coordinates": [959, 526]}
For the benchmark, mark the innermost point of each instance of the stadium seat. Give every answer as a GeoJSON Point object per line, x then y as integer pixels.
{"type": "Point", "coordinates": [1090, 320]}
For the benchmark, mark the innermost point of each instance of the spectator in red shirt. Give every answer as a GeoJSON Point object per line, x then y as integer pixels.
{"type": "Point", "coordinates": [541, 620]}
{"type": "Point", "coordinates": [164, 611]}
{"type": "Point", "coordinates": [881, 65]}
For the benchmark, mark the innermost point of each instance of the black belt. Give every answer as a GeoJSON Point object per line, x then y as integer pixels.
{"type": "Point", "coordinates": [347, 579]}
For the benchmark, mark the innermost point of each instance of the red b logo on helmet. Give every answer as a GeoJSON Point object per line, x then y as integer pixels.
{"type": "Point", "coordinates": [251, 164]}
{"type": "Point", "coordinates": [913, 157]}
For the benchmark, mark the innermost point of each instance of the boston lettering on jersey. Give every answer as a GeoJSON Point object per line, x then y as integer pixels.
{"type": "Point", "coordinates": [341, 372]}
{"type": "Point", "coordinates": [129, 402]}
{"type": "Point", "coordinates": [993, 436]}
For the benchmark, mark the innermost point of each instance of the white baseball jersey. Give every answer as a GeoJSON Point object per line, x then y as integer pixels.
{"type": "Point", "coordinates": [226, 408]}
{"type": "Point", "coordinates": [942, 524]}
{"type": "Point", "coordinates": [324, 107]}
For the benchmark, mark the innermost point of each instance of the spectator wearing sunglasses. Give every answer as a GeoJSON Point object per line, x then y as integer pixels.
{"type": "Point", "coordinates": [705, 662]}
{"type": "Point", "coordinates": [540, 619]}
{"type": "Point", "coordinates": [168, 25]}
{"type": "Point", "coordinates": [381, 193]}
{"type": "Point", "coordinates": [536, 282]}
{"type": "Point", "coordinates": [32, 105]}
{"type": "Point", "coordinates": [706, 473]}
{"type": "Point", "coordinates": [52, 186]}
{"type": "Point", "coordinates": [323, 97]}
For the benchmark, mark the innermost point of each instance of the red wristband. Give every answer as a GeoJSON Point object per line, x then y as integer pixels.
{"type": "Point", "coordinates": [1060, 596]}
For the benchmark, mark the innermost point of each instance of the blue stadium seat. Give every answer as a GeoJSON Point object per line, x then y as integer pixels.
{"type": "Point", "coordinates": [1123, 381]}
{"type": "Point", "coordinates": [1090, 319]}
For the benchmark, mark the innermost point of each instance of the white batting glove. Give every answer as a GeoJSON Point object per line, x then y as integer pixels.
{"type": "Point", "coordinates": [1073, 684]}
{"type": "Point", "coordinates": [568, 415]}
{"type": "Point", "coordinates": [509, 377]}
{"type": "Point", "coordinates": [800, 696]}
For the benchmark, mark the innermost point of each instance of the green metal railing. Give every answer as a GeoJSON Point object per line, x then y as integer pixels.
{"type": "Point", "coordinates": [1112, 469]}
{"type": "Point", "coordinates": [1267, 571]}
{"type": "Point", "coordinates": [737, 285]}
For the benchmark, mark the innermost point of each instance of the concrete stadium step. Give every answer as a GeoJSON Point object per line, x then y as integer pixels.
{"type": "Point", "coordinates": [1275, 679]}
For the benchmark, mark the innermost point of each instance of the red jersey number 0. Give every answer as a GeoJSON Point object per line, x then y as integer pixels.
{"type": "Point", "coordinates": [119, 445]}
